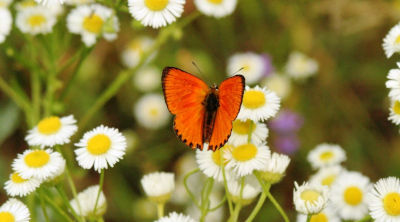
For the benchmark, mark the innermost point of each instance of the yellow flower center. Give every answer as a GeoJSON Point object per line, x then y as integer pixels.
{"type": "Point", "coordinates": [36, 20]}
{"type": "Point", "coordinates": [156, 5]}
{"type": "Point", "coordinates": [391, 204]}
{"type": "Point", "coordinates": [6, 217]}
{"type": "Point", "coordinates": [16, 178]}
{"type": "Point", "coordinates": [99, 144]}
{"type": "Point", "coordinates": [396, 107]}
{"type": "Point", "coordinates": [216, 156]}
{"type": "Point", "coordinates": [253, 99]}
{"type": "Point", "coordinates": [49, 125]}
{"type": "Point", "coordinates": [154, 112]}
{"type": "Point", "coordinates": [321, 217]}
{"type": "Point", "coordinates": [244, 152]}
{"type": "Point", "coordinates": [243, 128]}
{"type": "Point", "coordinates": [93, 23]}
{"type": "Point", "coordinates": [353, 195]}
{"type": "Point", "coordinates": [37, 158]}
{"type": "Point", "coordinates": [326, 156]}
{"type": "Point", "coordinates": [397, 41]}
{"type": "Point", "coordinates": [327, 181]}
{"type": "Point", "coordinates": [310, 195]}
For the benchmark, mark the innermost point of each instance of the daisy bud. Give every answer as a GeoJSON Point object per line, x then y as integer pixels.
{"type": "Point", "coordinates": [324, 155]}
{"type": "Point", "coordinates": [275, 168]}
{"type": "Point", "coordinates": [158, 186]}
{"type": "Point", "coordinates": [251, 188]}
{"type": "Point", "coordinates": [87, 202]}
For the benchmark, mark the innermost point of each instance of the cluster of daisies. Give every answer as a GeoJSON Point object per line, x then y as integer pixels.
{"type": "Point", "coordinates": [391, 45]}
{"type": "Point", "coordinates": [43, 165]}
{"type": "Point", "coordinates": [334, 193]}
{"type": "Point", "coordinates": [245, 164]}
{"type": "Point", "coordinates": [91, 20]}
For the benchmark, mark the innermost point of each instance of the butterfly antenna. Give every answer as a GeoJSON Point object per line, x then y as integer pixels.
{"type": "Point", "coordinates": [195, 65]}
{"type": "Point", "coordinates": [238, 71]}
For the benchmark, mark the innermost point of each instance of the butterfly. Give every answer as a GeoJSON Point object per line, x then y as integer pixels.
{"type": "Point", "coordinates": [203, 114]}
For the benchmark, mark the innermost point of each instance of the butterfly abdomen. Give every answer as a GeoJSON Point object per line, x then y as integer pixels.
{"type": "Point", "coordinates": [211, 104]}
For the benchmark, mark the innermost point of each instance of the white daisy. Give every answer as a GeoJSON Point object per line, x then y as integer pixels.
{"type": "Point", "coordinates": [249, 64]}
{"type": "Point", "coordinates": [250, 190]}
{"type": "Point", "coordinates": [391, 42]}
{"type": "Point", "coordinates": [92, 21]}
{"type": "Point", "coordinates": [326, 176]}
{"type": "Point", "coordinates": [18, 186]}
{"type": "Point", "coordinates": [52, 131]}
{"type": "Point", "coordinates": [87, 202]}
{"type": "Point", "coordinates": [5, 24]}
{"type": "Point", "coordinates": [300, 66]}
{"type": "Point", "coordinates": [275, 168]}
{"type": "Point", "coordinates": [5, 3]}
{"type": "Point", "coordinates": [100, 148]}
{"type": "Point", "coordinates": [326, 155]}
{"type": "Point", "coordinates": [147, 79]}
{"type": "Point", "coordinates": [393, 82]}
{"type": "Point", "coordinates": [216, 8]}
{"type": "Point", "coordinates": [158, 186]}
{"type": "Point", "coordinates": [326, 215]}
{"type": "Point", "coordinates": [310, 198]}
{"type": "Point", "coordinates": [210, 162]}
{"type": "Point", "coordinates": [36, 20]}
{"type": "Point", "coordinates": [38, 163]}
{"type": "Point", "coordinates": [56, 9]}
{"type": "Point", "coordinates": [384, 199]}
{"type": "Point", "coordinates": [175, 217]}
{"type": "Point", "coordinates": [151, 112]}
{"type": "Point", "coordinates": [14, 210]}
{"type": "Point", "coordinates": [246, 158]}
{"type": "Point", "coordinates": [156, 13]}
{"type": "Point", "coordinates": [278, 83]}
{"type": "Point", "coordinates": [348, 195]}
{"type": "Point", "coordinates": [134, 51]}
{"type": "Point", "coordinates": [394, 116]}
{"type": "Point", "coordinates": [242, 129]}
{"type": "Point", "coordinates": [259, 104]}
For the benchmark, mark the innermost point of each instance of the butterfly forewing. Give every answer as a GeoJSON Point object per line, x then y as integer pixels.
{"type": "Point", "coordinates": [184, 95]}
{"type": "Point", "coordinates": [230, 94]}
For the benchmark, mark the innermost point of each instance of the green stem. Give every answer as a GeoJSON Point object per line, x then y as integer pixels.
{"type": "Point", "coordinates": [160, 210]}
{"type": "Point", "coordinates": [366, 218]}
{"type": "Point", "coordinates": [17, 98]}
{"type": "Point", "coordinates": [125, 75]}
{"type": "Point", "coordinates": [278, 207]}
{"type": "Point", "coordinates": [191, 195]}
{"type": "Point", "coordinates": [58, 209]}
{"type": "Point", "coordinates": [72, 187]}
{"type": "Point", "coordinates": [36, 88]}
{"type": "Point", "coordinates": [205, 194]}
{"type": "Point", "coordinates": [228, 195]}
{"type": "Point", "coordinates": [42, 205]}
{"type": "Point", "coordinates": [100, 190]}
{"type": "Point", "coordinates": [260, 203]}
{"type": "Point", "coordinates": [63, 195]}
{"type": "Point", "coordinates": [250, 131]}
{"type": "Point", "coordinates": [83, 55]}
{"type": "Point", "coordinates": [309, 217]}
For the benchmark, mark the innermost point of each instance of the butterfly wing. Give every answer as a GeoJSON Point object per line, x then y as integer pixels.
{"type": "Point", "coordinates": [230, 94]}
{"type": "Point", "coordinates": [184, 94]}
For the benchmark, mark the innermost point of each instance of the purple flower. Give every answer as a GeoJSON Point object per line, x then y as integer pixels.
{"type": "Point", "coordinates": [286, 122]}
{"type": "Point", "coordinates": [287, 144]}
{"type": "Point", "coordinates": [268, 67]}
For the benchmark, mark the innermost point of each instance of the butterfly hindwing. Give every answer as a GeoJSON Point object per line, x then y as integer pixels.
{"type": "Point", "coordinates": [184, 95]}
{"type": "Point", "coordinates": [230, 94]}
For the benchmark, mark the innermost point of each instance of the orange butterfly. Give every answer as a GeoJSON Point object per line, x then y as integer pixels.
{"type": "Point", "coordinates": [203, 115]}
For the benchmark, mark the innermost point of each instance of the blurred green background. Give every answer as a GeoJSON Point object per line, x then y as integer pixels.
{"type": "Point", "coordinates": [345, 103]}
